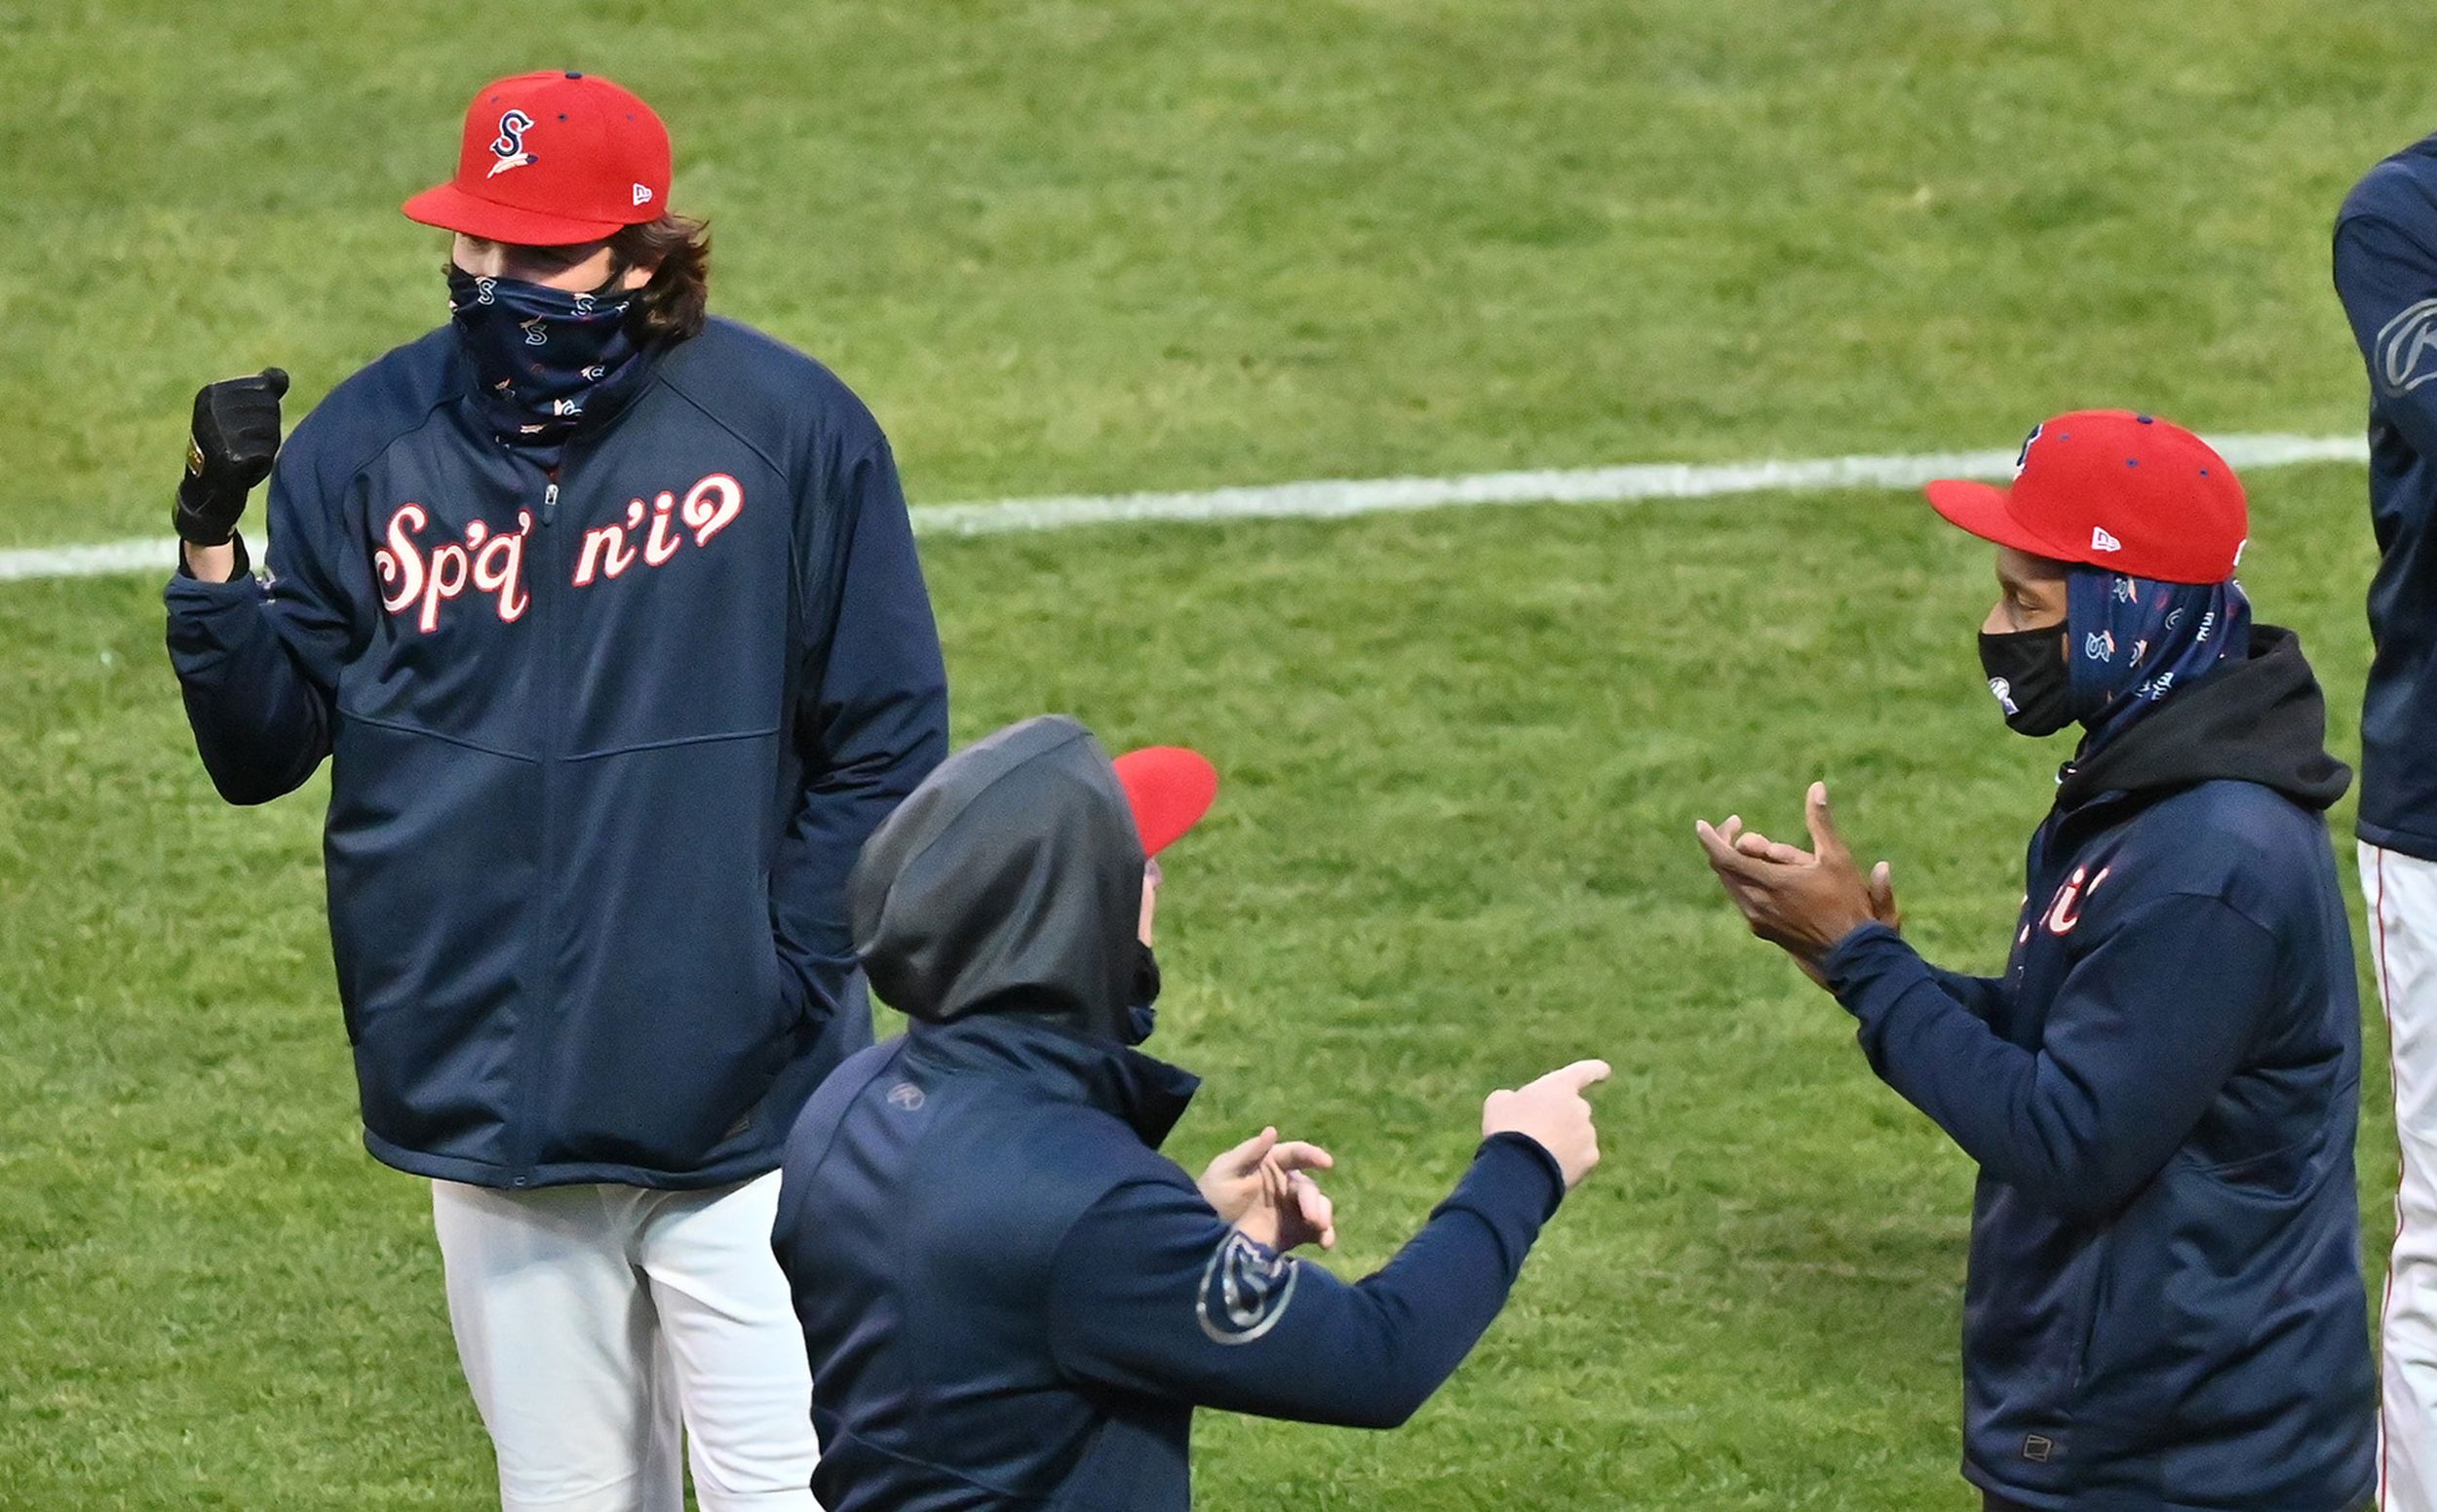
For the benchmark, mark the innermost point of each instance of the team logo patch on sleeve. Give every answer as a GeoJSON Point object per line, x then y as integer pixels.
{"type": "Point", "coordinates": [1245, 1290]}
{"type": "Point", "coordinates": [2403, 349]}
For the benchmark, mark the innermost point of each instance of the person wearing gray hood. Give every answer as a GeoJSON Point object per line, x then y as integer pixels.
{"type": "Point", "coordinates": [1009, 1296]}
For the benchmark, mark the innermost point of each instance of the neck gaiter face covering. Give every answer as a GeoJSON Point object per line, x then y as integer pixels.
{"type": "Point", "coordinates": [544, 359]}
{"type": "Point", "coordinates": [2131, 641]}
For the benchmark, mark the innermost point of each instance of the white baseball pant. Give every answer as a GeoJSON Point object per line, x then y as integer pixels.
{"type": "Point", "coordinates": [595, 1322]}
{"type": "Point", "coordinates": [2401, 892]}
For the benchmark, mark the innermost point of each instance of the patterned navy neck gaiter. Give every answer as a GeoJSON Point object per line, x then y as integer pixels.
{"type": "Point", "coordinates": [2134, 640]}
{"type": "Point", "coordinates": [544, 359]}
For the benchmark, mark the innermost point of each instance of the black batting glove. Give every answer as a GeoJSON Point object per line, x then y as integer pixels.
{"type": "Point", "coordinates": [235, 437]}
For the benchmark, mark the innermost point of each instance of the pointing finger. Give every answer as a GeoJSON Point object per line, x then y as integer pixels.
{"type": "Point", "coordinates": [1578, 1075]}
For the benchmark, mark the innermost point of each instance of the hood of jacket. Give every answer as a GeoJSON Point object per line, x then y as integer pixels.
{"type": "Point", "coordinates": [1010, 882]}
{"type": "Point", "coordinates": [2260, 720]}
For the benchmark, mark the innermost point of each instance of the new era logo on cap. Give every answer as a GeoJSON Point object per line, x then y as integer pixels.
{"type": "Point", "coordinates": [643, 194]}
{"type": "Point", "coordinates": [2100, 540]}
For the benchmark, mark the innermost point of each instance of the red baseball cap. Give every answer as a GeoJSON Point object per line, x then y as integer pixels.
{"type": "Point", "coordinates": [1169, 788]}
{"type": "Point", "coordinates": [549, 159]}
{"type": "Point", "coordinates": [2115, 489]}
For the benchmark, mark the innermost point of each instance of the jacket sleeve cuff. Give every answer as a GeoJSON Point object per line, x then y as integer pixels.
{"type": "Point", "coordinates": [1513, 1184]}
{"type": "Point", "coordinates": [1512, 1189]}
{"type": "Point", "coordinates": [210, 621]}
{"type": "Point", "coordinates": [1871, 969]}
{"type": "Point", "coordinates": [236, 542]}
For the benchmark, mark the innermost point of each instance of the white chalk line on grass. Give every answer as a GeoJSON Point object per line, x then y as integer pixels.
{"type": "Point", "coordinates": [1337, 499]}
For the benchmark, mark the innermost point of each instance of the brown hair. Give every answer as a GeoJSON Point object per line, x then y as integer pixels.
{"type": "Point", "coordinates": [674, 305]}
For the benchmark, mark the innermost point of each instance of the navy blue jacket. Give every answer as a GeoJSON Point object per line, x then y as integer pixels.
{"type": "Point", "coordinates": [2164, 1307]}
{"type": "Point", "coordinates": [604, 748]}
{"type": "Point", "coordinates": [2385, 258]}
{"type": "Point", "coordinates": [1010, 1299]}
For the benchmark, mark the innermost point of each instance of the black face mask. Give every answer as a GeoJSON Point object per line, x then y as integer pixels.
{"type": "Point", "coordinates": [2027, 673]}
{"type": "Point", "coordinates": [1139, 1016]}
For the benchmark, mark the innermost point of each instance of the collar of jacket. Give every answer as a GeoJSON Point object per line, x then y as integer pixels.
{"type": "Point", "coordinates": [2260, 720]}
{"type": "Point", "coordinates": [1149, 1093]}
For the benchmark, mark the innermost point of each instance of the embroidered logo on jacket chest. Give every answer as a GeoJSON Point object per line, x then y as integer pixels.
{"type": "Point", "coordinates": [419, 576]}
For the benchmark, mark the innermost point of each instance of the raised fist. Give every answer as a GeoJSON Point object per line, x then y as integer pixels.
{"type": "Point", "coordinates": [235, 437]}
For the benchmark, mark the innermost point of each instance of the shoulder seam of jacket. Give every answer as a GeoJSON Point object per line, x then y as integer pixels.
{"type": "Point", "coordinates": [420, 422]}
{"type": "Point", "coordinates": [721, 421]}
{"type": "Point", "coordinates": [2348, 219]}
{"type": "Point", "coordinates": [2219, 898]}
{"type": "Point", "coordinates": [880, 1064]}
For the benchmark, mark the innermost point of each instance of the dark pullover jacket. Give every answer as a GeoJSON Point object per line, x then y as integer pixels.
{"type": "Point", "coordinates": [603, 745]}
{"type": "Point", "coordinates": [1009, 1298]}
{"type": "Point", "coordinates": [2386, 264]}
{"type": "Point", "coordinates": [2164, 1309]}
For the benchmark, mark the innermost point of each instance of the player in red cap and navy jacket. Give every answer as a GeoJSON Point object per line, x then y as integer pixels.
{"type": "Point", "coordinates": [2164, 1307]}
{"type": "Point", "coordinates": [608, 618]}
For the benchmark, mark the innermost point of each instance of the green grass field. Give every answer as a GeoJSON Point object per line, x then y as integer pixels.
{"type": "Point", "coordinates": [1065, 247]}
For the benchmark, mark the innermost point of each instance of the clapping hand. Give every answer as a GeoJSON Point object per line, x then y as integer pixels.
{"type": "Point", "coordinates": [1802, 900]}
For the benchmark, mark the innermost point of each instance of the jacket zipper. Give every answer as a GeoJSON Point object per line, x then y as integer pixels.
{"type": "Point", "coordinates": [542, 1005]}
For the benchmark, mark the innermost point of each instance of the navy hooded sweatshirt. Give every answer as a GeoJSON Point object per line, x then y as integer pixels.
{"type": "Point", "coordinates": [1010, 1299]}
{"type": "Point", "coordinates": [603, 746]}
{"type": "Point", "coordinates": [2164, 1309]}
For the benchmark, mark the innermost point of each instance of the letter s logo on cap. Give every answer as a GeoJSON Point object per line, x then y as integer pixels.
{"type": "Point", "coordinates": [509, 145]}
{"type": "Point", "coordinates": [2022, 458]}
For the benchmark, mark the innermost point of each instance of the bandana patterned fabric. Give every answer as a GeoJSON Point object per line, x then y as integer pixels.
{"type": "Point", "coordinates": [543, 356]}
{"type": "Point", "coordinates": [2133, 640]}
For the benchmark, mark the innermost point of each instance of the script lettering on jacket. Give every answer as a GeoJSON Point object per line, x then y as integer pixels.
{"type": "Point", "coordinates": [2064, 913]}
{"type": "Point", "coordinates": [412, 579]}
{"type": "Point", "coordinates": [418, 579]}
{"type": "Point", "coordinates": [707, 507]}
